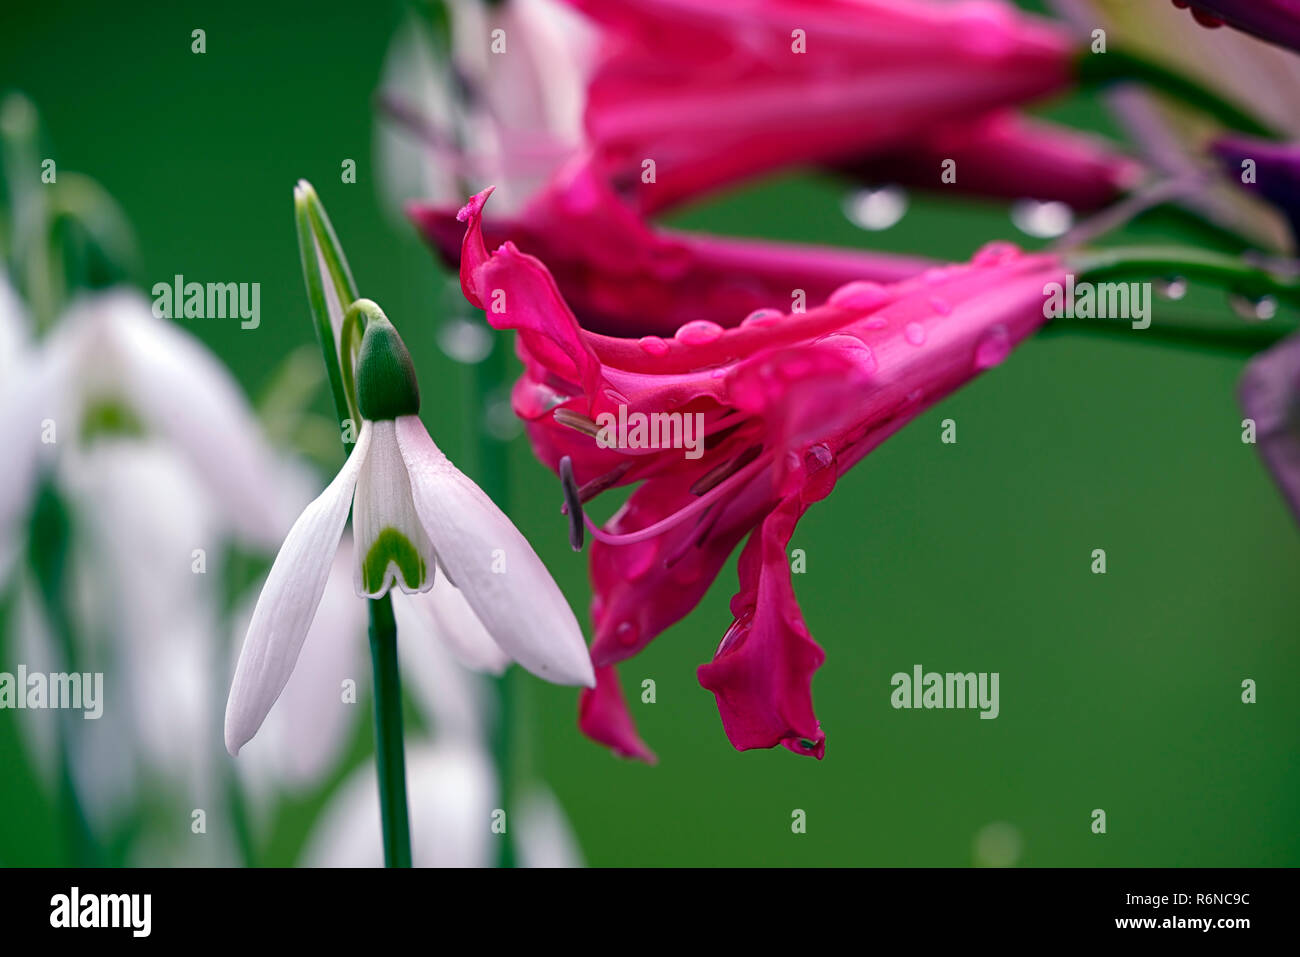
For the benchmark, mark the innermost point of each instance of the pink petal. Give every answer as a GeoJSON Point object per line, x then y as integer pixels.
{"type": "Point", "coordinates": [603, 717]}
{"type": "Point", "coordinates": [762, 672]}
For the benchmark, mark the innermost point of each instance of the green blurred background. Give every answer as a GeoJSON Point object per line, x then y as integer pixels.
{"type": "Point", "coordinates": [1119, 692]}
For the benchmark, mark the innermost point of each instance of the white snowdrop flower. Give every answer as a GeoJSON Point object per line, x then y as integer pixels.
{"type": "Point", "coordinates": [111, 367]}
{"type": "Point", "coordinates": [420, 524]}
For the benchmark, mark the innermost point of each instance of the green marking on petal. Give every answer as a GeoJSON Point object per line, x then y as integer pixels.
{"type": "Point", "coordinates": [108, 417]}
{"type": "Point", "coordinates": [392, 546]}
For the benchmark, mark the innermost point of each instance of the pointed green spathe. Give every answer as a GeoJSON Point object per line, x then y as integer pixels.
{"type": "Point", "coordinates": [386, 385]}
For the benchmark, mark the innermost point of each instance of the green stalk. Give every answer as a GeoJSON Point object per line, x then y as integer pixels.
{"type": "Point", "coordinates": [1245, 340]}
{"type": "Point", "coordinates": [316, 238]}
{"type": "Point", "coordinates": [493, 476]}
{"type": "Point", "coordinates": [1121, 66]}
{"type": "Point", "coordinates": [1231, 273]}
{"type": "Point", "coordinates": [29, 252]}
{"type": "Point", "coordinates": [49, 540]}
{"type": "Point", "coordinates": [389, 757]}
{"type": "Point", "coordinates": [1144, 262]}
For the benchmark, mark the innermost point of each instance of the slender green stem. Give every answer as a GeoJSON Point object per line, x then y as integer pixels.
{"type": "Point", "coordinates": [30, 252]}
{"type": "Point", "coordinates": [493, 476]}
{"type": "Point", "coordinates": [323, 262]}
{"type": "Point", "coordinates": [1244, 340]}
{"type": "Point", "coordinates": [1123, 66]}
{"type": "Point", "coordinates": [1231, 273]}
{"type": "Point", "coordinates": [1226, 271]}
{"type": "Point", "coordinates": [389, 757]}
{"type": "Point", "coordinates": [504, 756]}
{"type": "Point", "coordinates": [49, 542]}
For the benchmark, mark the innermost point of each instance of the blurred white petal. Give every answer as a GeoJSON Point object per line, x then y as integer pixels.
{"type": "Point", "coordinates": [182, 391]}
{"type": "Point", "coordinates": [452, 793]}
{"type": "Point", "coordinates": [543, 836]}
{"type": "Point", "coordinates": [445, 615]}
{"type": "Point", "coordinates": [455, 699]}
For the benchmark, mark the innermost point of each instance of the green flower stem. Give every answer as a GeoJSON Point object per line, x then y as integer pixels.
{"type": "Point", "coordinates": [1244, 340]}
{"type": "Point", "coordinates": [1122, 66]}
{"type": "Point", "coordinates": [1231, 273]}
{"type": "Point", "coordinates": [493, 475]}
{"type": "Point", "coordinates": [49, 540]}
{"type": "Point", "coordinates": [29, 251]}
{"type": "Point", "coordinates": [389, 756]}
{"type": "Point", "coordinates": [323, 261]}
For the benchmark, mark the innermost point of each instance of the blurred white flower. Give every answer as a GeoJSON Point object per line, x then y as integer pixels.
{"type": "Point", "coordinates": [453, 798]}
{"type": "Point", "coordinates": [451, 790]}
{"type": "Point", "coordinates": [157, 457]}
{"type": "Point", "coordinates": [110, 366]}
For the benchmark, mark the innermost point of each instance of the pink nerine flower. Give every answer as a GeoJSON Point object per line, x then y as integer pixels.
{"type": "Point", "coordinates": [1008, 156]}
{"type": "Point", "coordinates": [625, 277]}
{"type": "Point", "coordinates": [713, 92]}
{"type": "Point", "coordinates": [785, 403]}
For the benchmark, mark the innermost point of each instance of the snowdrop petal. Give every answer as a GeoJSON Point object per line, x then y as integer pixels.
{"type": "Point", "coordinates": [543, 834]}
{"type": "Point", "coordinates": [495, 568]}
{"type": "Point", "coordinates": [392, 547]}
{"type": "Point", "coordinates": [457, 701]}
{"type": "Point", "coordinates": [308, 730]}
{"type": "Point", "coordinates": [444, 615]}
{"type": "Point", "coordinates": [178, 388]}
{"type": "Point", "coordinates": [288, 602]}
{"type": "Point", "coordinates": [13, 331]}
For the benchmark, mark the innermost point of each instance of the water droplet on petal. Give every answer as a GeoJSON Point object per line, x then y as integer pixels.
{"type": "Point", "coordinates": [1175, 287]}
{"type": "Point", "coordinates": [653, 346]}
{"type": "Point", "coordinates": [762, 317]}
{"type": "Point", "coordinates": [942, 306]}
{"type": "Point", "coordinates": [817, 457]}
{"type": "Point", "coordinates": [914, 333]}
{"type": "Point", "coordinates": [860, 296]}
{"type": "Point", "coordinates": [1265, 307]}
{"type": "Point", "coordinates": [856, 350]}
{"type": "Point", "coordinates": [1044, 220]}
{"type": "Point", "coordinates": [993, 347]}
{"type": "Point", "coordinates": [876, 322]}
{"type": "Point", "coordinates": [626, 633]}
{"type": "Point", "coordinates": [698, 332]}
{"type": "Point", "coordinates": [464, 340]}
{"type": "Point", "coordinates": [818, 464]}
{"type": "Point", "coordinates": [996, 253]}
{"type": "Point", "coordinates": [876, 209]}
